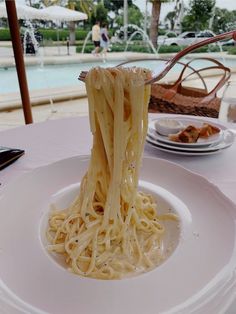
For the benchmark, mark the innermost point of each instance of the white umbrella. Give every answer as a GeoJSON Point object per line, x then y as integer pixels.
{"type": "Point", "coordinates": [23, 12]}
{"type": "Point", "coordinates": [57, 13]}
{"type": "Point", "coordinates": [50, 13]}
{"type": "Point", "coordinates": [61, 14]}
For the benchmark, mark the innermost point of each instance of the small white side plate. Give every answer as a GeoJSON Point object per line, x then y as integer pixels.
{"type": "Point", "coordinates": [214, 139]}
{"type": "Point", "coordinates": [227, 140]}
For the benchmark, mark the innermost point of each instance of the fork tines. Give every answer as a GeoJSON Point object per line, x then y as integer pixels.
{"type": "Point", "coordinates": [82, 76]}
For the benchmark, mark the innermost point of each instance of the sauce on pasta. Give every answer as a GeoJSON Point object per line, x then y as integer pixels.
{"type": "Point", "coordinates": [112, 230]}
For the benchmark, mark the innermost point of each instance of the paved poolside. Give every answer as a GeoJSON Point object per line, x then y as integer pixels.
{"type": "Point", "coordinates": [15, 118]}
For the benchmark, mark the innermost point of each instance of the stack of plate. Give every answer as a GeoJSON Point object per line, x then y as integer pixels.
{"type": "Point", "coordinates": [211, 145]}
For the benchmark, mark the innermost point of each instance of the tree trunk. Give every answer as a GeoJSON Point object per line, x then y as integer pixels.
{"type": "Point", "coordinates": [156, 8]}
{"type": "Point", "coordinates": [72, 33]}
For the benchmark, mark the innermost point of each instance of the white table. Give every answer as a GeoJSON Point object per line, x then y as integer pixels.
{"type": "Point", "coordinates": [54, 140]}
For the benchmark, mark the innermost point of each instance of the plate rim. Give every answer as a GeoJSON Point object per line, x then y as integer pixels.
{"type": "Point", "coordinates": [187, 171]}
{"type": "Point", "coordinates": [223, 144]}
{"type": "Point", "coordinates": [184, 153]}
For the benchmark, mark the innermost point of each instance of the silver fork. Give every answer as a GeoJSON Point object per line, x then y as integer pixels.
{"type": "Point", "coordinates": [165, 68]}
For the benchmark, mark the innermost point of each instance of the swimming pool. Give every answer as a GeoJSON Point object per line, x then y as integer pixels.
{"type": "Point", "coordinates": [48, 76]}
{"type": "Point", "coordinates": [63, 75]}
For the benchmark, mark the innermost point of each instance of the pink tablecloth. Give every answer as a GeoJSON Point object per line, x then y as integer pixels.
{"type": "Point", "coordinates": [53, 140]}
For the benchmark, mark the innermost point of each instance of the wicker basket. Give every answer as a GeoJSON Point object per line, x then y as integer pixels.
{"type": "Point", "coordinates": [176, 98]}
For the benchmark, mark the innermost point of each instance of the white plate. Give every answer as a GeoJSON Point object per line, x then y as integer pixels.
{"type": "Point", "coordinates": [64, 197]}
{"type": "Point", "coordinates": [198, 277]}
{"type": "Point", "coordinates": [153, 143]}
{"type": "Point", "coordinates": [198, 122]}
{"type": "Point", "coordinates": [226, 141]}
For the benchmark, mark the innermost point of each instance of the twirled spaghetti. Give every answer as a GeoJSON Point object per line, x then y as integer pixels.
{"type": "Point", "coordinates": [111, 230]}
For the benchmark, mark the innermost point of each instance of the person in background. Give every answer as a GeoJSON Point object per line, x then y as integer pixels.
{"type": "Point", "coordinates": [96, 37]}
{"type": "Point", "coordinates": [104, 40]}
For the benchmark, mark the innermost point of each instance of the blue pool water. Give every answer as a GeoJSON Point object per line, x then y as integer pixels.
{"type": "Point", "coordinates": [43, 77]}
{"type": "Point", "coordinates": [54, 76]}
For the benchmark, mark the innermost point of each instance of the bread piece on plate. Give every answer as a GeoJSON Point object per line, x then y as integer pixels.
{"type": "Point", "coordinates": [189, 135]}
{"type": "Point", "coordinates": [208, 130]}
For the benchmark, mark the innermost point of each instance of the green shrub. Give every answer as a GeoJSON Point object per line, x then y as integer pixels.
{"type": "Point", "coordinates": [5, 34]}
{"type": "Point", "coordinates": [139, 49]}
{"type": "Point", "coordinates": [80, 34]}
{"type": "Point", "coordinates": [175, 48]}
{"type": "Point", "coordinates": [135, 47]}
{"type": "Point", "coordinates": [161, 31]}
{"type": "Point", "coordinates": [171, 35]}
{"type": "Point", "coordinates": [169, 49]}
{"type": "Point", "coordinates": [138, 46]}
{"type": "Point", "coordinates": [48, 34]}
{"type": "Point", "coordinates": [51, 34]}
{"type": "Point", "coordinates": [232, 51]}
{"type": "Point", "coordinates": [117, 47]}
{"type": "Point", "coordinates": [209, 48]}
{"type": "Point", "coordinates": [226, 48]}
{"type": "Point", "coordinates": [114, 48]}
{"type": "Point", "coordinates": [88, 49]}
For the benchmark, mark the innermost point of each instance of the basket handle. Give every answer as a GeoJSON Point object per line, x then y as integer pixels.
{"type": "Point", "coordinates": [194, 71]}
{"type": "Point", "coordinates": [171, 92]}
{"type": "Point", "coordinates": [187, 65]}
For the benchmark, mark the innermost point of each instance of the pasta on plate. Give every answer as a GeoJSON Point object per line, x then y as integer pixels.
{"type": "Point", "coordinates": [112, 230]}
